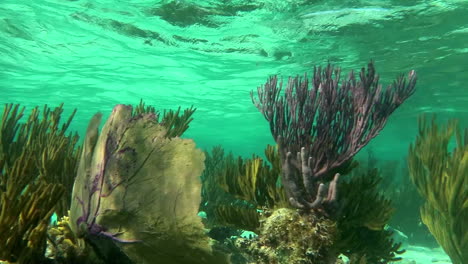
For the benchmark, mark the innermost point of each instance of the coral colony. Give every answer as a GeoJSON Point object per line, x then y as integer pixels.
{"type": "Point", "coordinates": [326, 123]}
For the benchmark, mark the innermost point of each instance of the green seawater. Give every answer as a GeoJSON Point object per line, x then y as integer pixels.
{"type": "Point", "coordinates": [92, 55]}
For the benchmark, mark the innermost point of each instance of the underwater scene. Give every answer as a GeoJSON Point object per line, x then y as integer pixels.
{"type": "Point", "coordinates": [242, 132]}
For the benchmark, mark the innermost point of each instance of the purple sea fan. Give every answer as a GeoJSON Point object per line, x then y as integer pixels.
{"type": "Point", "coordinates": [141, 190]}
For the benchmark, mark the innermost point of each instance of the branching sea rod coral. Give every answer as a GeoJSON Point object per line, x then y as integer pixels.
{"type": "Point", "coordinates": [326, 124]}
{"type": "Point", "coordinates": [37, 164]}
{"type": "Point", "coordinates": [441, 178]}
{"type": "Point", "coordinates": [237, 190]}
{"type": "Point", "coordinates": [175, 122]}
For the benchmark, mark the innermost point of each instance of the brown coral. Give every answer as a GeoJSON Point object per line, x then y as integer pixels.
{"type": "Point", "coordinates": [290, 237]}
{"type": "Point", "coordinates": [36, 157]}
{"type": "Point", "coordinates": [441, 178]}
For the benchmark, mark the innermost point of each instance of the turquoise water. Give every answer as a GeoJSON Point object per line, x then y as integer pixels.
{"type": "Point", "coordinates": [92, 55]}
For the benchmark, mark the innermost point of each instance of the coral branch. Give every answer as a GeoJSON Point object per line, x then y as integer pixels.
{"type": "Point", "coordinates": [328, 122]}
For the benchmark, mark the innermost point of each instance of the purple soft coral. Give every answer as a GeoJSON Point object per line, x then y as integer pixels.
{"type": "Point", "coordinates": [95, 184]}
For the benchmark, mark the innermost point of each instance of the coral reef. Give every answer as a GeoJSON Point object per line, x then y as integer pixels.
{"type": "Point", "coordinates": [441, 177]}
{"type": "Point", "coordinates": [136, 191]}
{"type": "Point", "coordinates": [318, 132]}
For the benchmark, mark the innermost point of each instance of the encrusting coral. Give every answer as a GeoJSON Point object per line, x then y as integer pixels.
{"type": "Point", "coordinates": [441, 178]}
{"type": "Point", "coordinates": [64, 246]}
{"type": "Point", "coordinates": [288, 236]}
{"type": "Point", "coordinates": [37, 161]}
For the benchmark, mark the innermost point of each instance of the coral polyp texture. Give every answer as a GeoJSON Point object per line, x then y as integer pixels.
{"type": "Point", "coordinates": [288, 236]}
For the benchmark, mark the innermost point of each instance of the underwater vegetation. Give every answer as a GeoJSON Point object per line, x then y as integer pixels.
{"type": "Point", "coordinates": [136, 192]}
{"type": "Point", "coordinates": [37, 169]}
{"type": "Point", "coordinates": [396, 186]}
{"type": "Point", "coordinates": [364, 214]}
{"type": "Point", "coordinates": [441, 178]}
